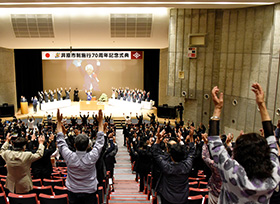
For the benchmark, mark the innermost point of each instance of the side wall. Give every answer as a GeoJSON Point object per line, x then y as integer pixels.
{"type": "Point", "coordinates": [242, 47]}
{"type": "Point", "coordinates": [7, 77]}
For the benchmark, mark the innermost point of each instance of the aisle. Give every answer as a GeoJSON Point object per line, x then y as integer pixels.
{"type": "Point", "coordinates": [126, 188]}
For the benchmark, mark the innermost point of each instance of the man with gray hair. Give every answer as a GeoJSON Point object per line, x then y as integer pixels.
{"type": "Point", "coordinates": [81, 177]}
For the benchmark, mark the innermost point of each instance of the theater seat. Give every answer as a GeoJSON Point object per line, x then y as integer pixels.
{"type": "Point", "coordinates": [3, 198]}
{"type": "Point", "coordinates": [23, 199]}
{"type": "Point", "coordinates": [205, 200]}
{"type": "Point", "coordinates": [203, 184]}
{"type": "Point", "coordinates": [53, 182]}
{"type": "Point", "coordinates": [197, 179]}
{"type": "Point", "coordinates": [195, 199]}
{"type": "Point", "coordinates": [53, 199]}
{"type": "Point", "coordinates": [58, 190]}
{"type": "Point", "coordinates": [193, 184]}
{"type": "Point", "coordinates": [198, 191]}
{"type": "Point", "coordinates": [43, 189]}
{"type": "Point", "coordinates": [37, 182]}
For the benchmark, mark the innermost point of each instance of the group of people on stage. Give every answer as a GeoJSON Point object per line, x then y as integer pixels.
{"type": "Point", "coordinates": [49, 96]}
{"type": "Point", "coordinates": [133, 95]}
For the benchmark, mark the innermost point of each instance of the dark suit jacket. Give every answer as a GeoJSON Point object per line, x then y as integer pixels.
{"type": "Point", "coordinates": [174, 182]}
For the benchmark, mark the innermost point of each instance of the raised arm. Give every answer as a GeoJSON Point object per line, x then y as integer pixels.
{"type": "Point", "coordinates": [97, 148]}
{"type": "Point", "coordinates": [266, 121]}
{"type": "Point", "coordinates": [215, 119]}
{"type": "Point", "coordinates": [61, 143]}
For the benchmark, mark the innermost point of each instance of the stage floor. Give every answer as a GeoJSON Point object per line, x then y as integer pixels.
{"type": "Point", "coordinates": [74, 110]}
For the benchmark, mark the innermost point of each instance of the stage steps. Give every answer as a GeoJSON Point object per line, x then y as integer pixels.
{"type": "Point", "coordinates": [119, 123]}
{"type": "Point", "coordinates": [126, 189]}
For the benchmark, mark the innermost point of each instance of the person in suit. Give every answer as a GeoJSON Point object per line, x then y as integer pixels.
{"type": "Point", "coordinates": [51, 94]}
{"type": "Point", "coordinates": [59, 92]}
{"type": "Point", "coordinates": [76, 94]}
{"type": "Point", "coordinates": [180, 108]}
{"type": "Point", "coordinates": [23, 99]}
{"type": "Point", "coordinates": [46, 96]}
{"type": "Point", "coordinates": [110, 154]}
{"type": "Point", "coordinates": [42, 168]}
{"type": "Point", "coordinates": [67, 92]}
{"type": "Point", "coordinates": [34, 103]}
{"type": "Point", "coordinates": [19, 162]}
{"type": "Point", "coordinates": [175, 167]}
{"type": "Point", "coordinates": [41, 98]}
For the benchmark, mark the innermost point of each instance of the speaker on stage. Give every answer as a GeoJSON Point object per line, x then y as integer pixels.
{"type": "Point", "coordinates": [7, 110]}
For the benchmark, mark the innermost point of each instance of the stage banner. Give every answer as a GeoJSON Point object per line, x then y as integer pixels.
{"type": "Point", "coordinates": [114, 55]}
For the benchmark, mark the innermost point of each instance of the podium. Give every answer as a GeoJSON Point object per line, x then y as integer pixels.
{"type": "Point", "coordinates": [24, 107]}
{"type": "Point", "coordinates": [91, 105]}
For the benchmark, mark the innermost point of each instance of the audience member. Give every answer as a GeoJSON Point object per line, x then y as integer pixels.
{"type": "Point", "coordinates": [175, 167]}
{"type": "Point", "coordinates": [19, 162]}
{"type": "Point", "coordinates": [81, 178]}
{"type": "Point", "coordinates": [253, 173]}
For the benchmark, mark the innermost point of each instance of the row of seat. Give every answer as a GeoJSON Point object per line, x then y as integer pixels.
{"type": "Point", "coordinates": [198, 191]}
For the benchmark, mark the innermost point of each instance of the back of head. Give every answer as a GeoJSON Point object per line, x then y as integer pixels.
{"type": "Point", "coordinates": [177, 152]}
{"type": "Point", "coordinates": [81, 142]}
{"type": "Point", "coordinates": [19, 143]}
{"type": "Point", "coordinates": [253, 153]}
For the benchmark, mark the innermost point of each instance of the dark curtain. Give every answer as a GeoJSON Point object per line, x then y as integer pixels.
{"type": "Point", "coordinates": [151, 73]}
{"type": "Point", "coordinates": [29, 77]}
{"type": "Point", "coordinates": [28, 65]}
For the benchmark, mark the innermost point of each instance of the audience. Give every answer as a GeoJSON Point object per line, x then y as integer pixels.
{"type": "Point", "coordinates": [245, 171]}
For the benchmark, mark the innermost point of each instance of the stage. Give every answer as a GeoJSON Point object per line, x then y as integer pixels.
{"type": "Point", "coordinates": [74, 110]}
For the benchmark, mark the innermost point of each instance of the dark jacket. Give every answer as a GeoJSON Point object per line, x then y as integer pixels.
{"type": "Point", "coordinates": [174, 182]}
{"type": "Point", "coordinates": [42, 168]}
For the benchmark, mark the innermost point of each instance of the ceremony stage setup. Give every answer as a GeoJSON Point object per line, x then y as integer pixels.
{"type": "Point", "coordinates": [118, 108]}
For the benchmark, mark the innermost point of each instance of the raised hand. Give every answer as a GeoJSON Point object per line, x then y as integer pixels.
{"type": "Point", "coordinates": [9, 137]}
{"type": "Point", "coordinates": [59, 118]}
{"type": "Point", "coordinates": [257, 89]}
{"type": "Point", "coordinates": [218, 101]}
{"type": "Point", "coordinates": [41, 139]}
{"type": "Point", "coordinates": [205, 137]}
{"type": "Point", "coordinates": [100, 120]}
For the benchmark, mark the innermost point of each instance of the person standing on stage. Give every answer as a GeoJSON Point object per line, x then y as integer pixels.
{"type": "Point", "coordinates": [51, 96]}
{"type": "Point", "coordinates": [59, 92]}
{"type": "Point", "coordinates": [67, 92]}
{"type": "Point", "coordinates": [46, 96]}
{"type": "Point", "coordinates": [41, 98]}
{"type": "Point", "coordinates": [34, 103]}
{"type": "Point", "coordinates": [89, 95]}
{"type": "Point", "coordinates": [76, 95]}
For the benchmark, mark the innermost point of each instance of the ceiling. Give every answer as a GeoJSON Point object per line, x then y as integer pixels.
{"type": "Point", "coordinates": [91, 24]}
